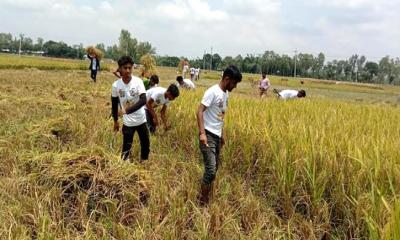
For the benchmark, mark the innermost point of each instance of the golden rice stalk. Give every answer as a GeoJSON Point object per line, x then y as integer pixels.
{"type": "Point", "coordinates": [147, 65]}
{"type": "Point", "coordinates": [94, 52]}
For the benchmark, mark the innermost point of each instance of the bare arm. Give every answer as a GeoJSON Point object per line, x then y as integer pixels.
{"type": "Point", "coordinates": [164, 115]}
{"type": "Point", "coordinates": [153, 114]}
{"type": "Point", "coordinates": [200, 124]}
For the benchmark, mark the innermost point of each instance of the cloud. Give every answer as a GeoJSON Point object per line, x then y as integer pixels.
{"type": "Point", "coordinates": [191, 10]}
{"type": "Point", "coordinates": [232, 27]}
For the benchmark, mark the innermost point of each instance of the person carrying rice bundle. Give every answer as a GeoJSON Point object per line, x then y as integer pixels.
{"type": "Point", "coordinates": [94, 55]}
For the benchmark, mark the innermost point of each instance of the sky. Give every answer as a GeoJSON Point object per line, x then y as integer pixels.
{"type": "Point", "coordinates": [338, 28]}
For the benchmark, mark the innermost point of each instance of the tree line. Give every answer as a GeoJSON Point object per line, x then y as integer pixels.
{"type": "Point", "coordinates": [355, 69]}
{"type": "Point", "coordinates": [127, 45]}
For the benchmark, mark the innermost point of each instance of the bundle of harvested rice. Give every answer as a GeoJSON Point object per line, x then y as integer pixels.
{"type": "Point", "coordinates": [94, 52]}
{"type": "Point", "coordinates": [89, 185]}
{"type": "Point", "coordinates": [147, 65]}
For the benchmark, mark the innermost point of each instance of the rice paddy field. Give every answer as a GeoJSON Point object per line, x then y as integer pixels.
{"type": "Point", "coordinates": [324, 167]}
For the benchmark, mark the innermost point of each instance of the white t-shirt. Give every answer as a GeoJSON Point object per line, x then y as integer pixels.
{"type": "Point", "coordinates": [188, 84]}
{"type": "Point", "coordinates": [216, 102]}
{"type": "Point", "coordinates": [128, 95]}
{"type": "Point", "coordinates": [192, 71]}
{"type": "Point", "coordinates": [288, 94]}
{"type": "Point", "coordinates": [158, 96]}
{"type": "Point", "coordinates": [94, 64]}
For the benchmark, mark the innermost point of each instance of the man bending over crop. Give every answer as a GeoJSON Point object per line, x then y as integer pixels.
{"type": "Point", "coordinates": [289, 94]}
{"type": "Point", "coordinates": [159, 96]}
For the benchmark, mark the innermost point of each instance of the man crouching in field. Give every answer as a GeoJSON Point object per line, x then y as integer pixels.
{"type": "Point", "coordinates": [210, 119]}
{"type": "Point", "coordinates": [129, 94]}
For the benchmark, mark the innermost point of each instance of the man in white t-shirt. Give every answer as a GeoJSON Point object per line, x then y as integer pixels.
{"type": "Point", "coordinates": [192, 73]}
{"type": "Point", "coordinates": [159, 96]}
{"type": "Point", "coordinates": [94, 66]}
{"type": "Point", "coordinates": [129, 96]}
{"type": "Point", "coordinates": [197, 74]}
{"type": "Point", "coordinates": [210, 119]}
{"type": "Point", "coordinates": [290, 94]}
{"type": "Point", "coordinates": [185, 68]}
{"type": "Point", "coordinates": [185, 83]}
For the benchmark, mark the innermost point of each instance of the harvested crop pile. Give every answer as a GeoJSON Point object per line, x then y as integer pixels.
{"type": "Point", "coordinates": [82, 187]}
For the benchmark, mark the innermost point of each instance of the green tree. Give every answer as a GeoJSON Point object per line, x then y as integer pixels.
{"type": "Point", "coordinates": [144, 48]}
{"type": "Point", "coordinates": [371, 71]}
{"type": "Point", "coordinates": [6, 40]}
{"type": "Point", "coordinates": [127, 44]}
{"type": "Point", "coordinates": [216, 61]}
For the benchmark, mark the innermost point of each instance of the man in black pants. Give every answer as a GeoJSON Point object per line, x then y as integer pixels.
{"type": "Point", "coordinates": [94, 66]}
{"type": "Point", "coordinates": [129, 96]}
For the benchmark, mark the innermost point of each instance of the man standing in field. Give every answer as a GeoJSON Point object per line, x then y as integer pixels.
{"type": "Point", "coordinates": [185, 83]}
{"type": "Point", "coordinates": [197, 74]}
{"type": "Point", "coordinates": [155, 97]}
{"type": "Point", "coordinates": [192, 73]}
{"type": "Point", "coordinates": [185, 68]}
{"type": "Point", "coordinates": [264, 85]}
{"type": "Point", "coordinates": [290, 94]}
{"type": "Point", "coordinates": [210, 118]}
{"type": "Point", "coordinates": [94, 66]}
{"type": "Point", "coordinates": [129, 94]}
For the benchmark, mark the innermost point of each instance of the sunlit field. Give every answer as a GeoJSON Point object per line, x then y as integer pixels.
{"type": "Point", "coordinates": [323, 167]}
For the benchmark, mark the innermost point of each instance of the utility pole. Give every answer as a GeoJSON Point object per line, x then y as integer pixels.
{"type": "Point", "coordinates": [295, 63]}
{"type": "Point", "coordinates": [211, 59]}
{"type": "Point", "coordinates": [204, 60]}
{"type": "Point", "coordinates": [356, 72]}
{"type": "Point", "coordinates": [20, 43]}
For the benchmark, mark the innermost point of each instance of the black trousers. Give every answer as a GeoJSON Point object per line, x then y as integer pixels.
{"type": "Point", "coordinates": [150, 122]}
{"type": "Point", "coordinates": [128, 133]}
{"type": "Point", "coordinates": [93, 74]}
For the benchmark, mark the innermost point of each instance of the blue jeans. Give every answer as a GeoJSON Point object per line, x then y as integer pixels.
{"type": "Point", "coordinates": [210, 157]}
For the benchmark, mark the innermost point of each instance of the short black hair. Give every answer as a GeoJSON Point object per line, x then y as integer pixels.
{"type": "Point", "coordinates": [179, 78]}
{"type": "Point", "coordinates": [301, 93]}
{"type": "Point", "coordinates": [233, 73]}
{"type": "Point", "coordinates": [173, 90]}
{"type": "Point", "coordinates": [125, 60]}
{"type": "Point", "coordinates": [154, 78]}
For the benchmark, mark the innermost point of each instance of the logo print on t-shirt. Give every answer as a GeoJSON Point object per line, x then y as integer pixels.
{"type": "Point", "coordinates": [133, 92]}
{"type": "Point", "coordinates": [121, 93]}
{"type": "Point", "coordinates": [221, 104]}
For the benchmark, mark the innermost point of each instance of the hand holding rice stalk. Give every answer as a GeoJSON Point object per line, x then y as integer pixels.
{"type": "Point", "coordinates": [94, 52]}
